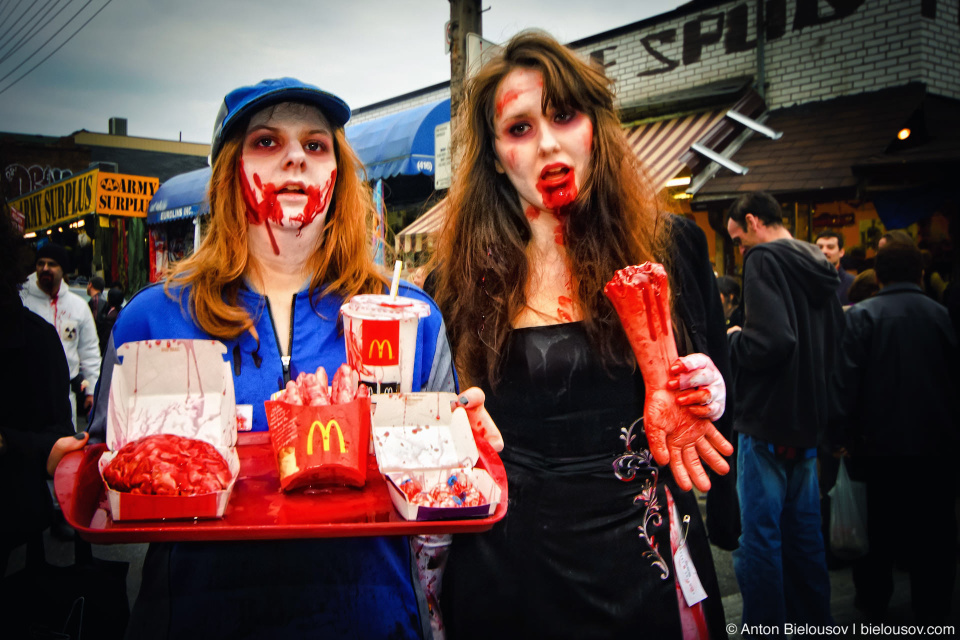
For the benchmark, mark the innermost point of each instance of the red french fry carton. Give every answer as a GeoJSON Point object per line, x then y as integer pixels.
{"type": "Point", "coordinates": [427, 453]}
{"type": "Point", "coordinates": [181, 389]}
{"type": "Point", "coordinates": [320, 445]}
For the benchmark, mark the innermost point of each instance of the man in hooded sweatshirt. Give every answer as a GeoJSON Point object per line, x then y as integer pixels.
{"type": "Point", "coordinates": [782, 356]}
{"type": "Point", "coordinates": [48, 296]}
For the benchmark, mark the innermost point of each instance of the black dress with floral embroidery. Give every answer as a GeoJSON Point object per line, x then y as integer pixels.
{"type": "Point", "coordinates": [584, 551]}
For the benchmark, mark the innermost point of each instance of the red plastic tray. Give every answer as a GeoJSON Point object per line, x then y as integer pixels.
{"type": "Point", "coordinates": [258, 509]}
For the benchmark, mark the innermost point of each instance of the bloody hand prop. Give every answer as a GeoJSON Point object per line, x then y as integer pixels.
{"type": "Point", "coordinates": [676, 435]}
{"type": "Point", "coordinates": [313, 390]}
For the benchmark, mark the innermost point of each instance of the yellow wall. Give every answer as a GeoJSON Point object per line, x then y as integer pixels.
{"type": "Point", "coordinates": [866, 228]}
{"type": "Point", "coordinates": [145, 144]}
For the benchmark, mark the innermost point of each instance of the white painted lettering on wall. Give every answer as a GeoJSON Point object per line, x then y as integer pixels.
{"type": "Point", "coordinates": [21, 179]}
{"type": "Point", "coordinates": [731, 27]}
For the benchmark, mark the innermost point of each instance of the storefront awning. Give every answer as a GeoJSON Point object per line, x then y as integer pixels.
{"type": "Point", "coordinates": [660, 144]}
{"type": "Point", "coordinates": [399, 143]}
{"type": "Point", "coordinates": [182, 196]}
{"type": "Point", "coordinates": [700, 142]}
{"type": "Point", "coordinates": [412, 237]}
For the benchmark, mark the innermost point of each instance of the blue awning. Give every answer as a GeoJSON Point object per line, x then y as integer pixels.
{"type": "Point", "coordinates": [182, 196]}
{"type": "Point", "coordinates": [400, 143]}
{"type": "Point", "coordinates": [900, 209]}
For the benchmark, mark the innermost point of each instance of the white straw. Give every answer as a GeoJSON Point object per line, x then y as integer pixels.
{"type": "Point", "coordinates": [395, 285]}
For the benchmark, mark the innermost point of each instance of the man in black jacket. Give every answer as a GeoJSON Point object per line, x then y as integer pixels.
{"type": "Point", "coordinates": [897, 388]}
{"type": "Point", "coordinates": [791, 331]}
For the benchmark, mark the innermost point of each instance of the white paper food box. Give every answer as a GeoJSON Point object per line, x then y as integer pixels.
{"type": "Point", "coordinates": [418, 434]}
{"type": "Point", "coordinates": [179, 387]}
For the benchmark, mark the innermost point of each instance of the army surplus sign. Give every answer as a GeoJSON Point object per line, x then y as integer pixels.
{"type": "Point", "coordinates": [90, 192]}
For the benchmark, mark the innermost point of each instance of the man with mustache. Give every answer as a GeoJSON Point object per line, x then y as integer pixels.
{"type": "Point", "coordinates": [48, 296]}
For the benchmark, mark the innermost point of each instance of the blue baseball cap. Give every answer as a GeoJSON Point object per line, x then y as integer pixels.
{"type": "Point", "coordinates": [242, 102]}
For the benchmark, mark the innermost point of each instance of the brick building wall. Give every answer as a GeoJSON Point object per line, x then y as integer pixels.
{"type": "Point", "coordinates": [940, 48]}
{"type": "Point", "coordinates": [814, 50]}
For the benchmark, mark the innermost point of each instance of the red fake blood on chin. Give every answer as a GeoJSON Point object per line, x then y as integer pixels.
{"type": "Point", "coordinates": [318, 198]}
{"type": "Point", "coordinates": [557, 194]}
{"type": "Point", "coordinates": [261, 212]}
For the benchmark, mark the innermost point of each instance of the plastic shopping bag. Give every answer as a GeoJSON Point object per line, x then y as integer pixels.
{"type": "Point", "coordinates": [848, 516]}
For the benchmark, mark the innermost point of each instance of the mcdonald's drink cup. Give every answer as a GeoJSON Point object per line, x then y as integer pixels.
{"type": "Point", "coordinates": [381, 339]}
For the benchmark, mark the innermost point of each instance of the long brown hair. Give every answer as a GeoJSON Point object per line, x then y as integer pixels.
{"type": "Point", "coordinates": [481, 262]}
{"type": "Point", "coordinates": [213, 275]}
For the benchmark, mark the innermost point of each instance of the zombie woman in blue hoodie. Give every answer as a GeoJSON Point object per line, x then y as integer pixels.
{"type": "Point", "coordinates": [285, 247]}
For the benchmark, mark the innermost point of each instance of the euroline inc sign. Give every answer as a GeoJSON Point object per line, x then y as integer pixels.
{"type": "Point", "coordinates": [111, 194]}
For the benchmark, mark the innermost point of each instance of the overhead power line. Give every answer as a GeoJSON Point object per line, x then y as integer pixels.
{"type": "Point", "coordinates": [3, 7]}
{"type": "Point", "coordinates": [30, 30]}
{"type": "Point", "coordinates": [60, 46]}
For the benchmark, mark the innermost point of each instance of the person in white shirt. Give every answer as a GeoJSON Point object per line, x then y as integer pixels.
{"type": "Point", "coordinates": [47, 295]}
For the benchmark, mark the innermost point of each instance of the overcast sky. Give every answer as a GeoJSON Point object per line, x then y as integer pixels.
{"type": "Point", "coordinates": [165, 65]}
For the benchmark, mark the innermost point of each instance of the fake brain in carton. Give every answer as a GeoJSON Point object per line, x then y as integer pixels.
{"type": "Point", "coordinates": [167, 465]}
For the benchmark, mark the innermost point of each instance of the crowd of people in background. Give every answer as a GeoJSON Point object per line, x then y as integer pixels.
{"type": "Point", "coordinates": [853, 383]}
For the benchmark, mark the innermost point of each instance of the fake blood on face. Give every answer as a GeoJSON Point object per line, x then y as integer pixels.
{"type": "Point", "coordinates": [318, 198]}
{"type": "Point", "coordinates": [557, 189]}
{"type": "Point", "coordinates": [506, 98]}
{"type": "Point", "coordinates": [527, 82]}
{"type": "Point", "coordinates": [269, 209]}
{"type": "Point", "coordinates": [260, 212]}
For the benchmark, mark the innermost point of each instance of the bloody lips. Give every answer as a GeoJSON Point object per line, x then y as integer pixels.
{"type": "Point", "coordinates": [557, 186]}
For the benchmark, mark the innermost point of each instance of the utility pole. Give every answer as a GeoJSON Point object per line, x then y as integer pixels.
{"type": "Point", "coordinates": [465, 17]}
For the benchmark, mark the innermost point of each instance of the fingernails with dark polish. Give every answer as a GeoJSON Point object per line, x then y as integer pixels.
{"type": "Point", "coordinates": [80, 435]}
{"type": "Point", "coordinates": [463, 400]}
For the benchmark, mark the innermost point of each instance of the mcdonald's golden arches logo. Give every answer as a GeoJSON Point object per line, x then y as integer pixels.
{"type": "Point", "coordinates": [325, 430]}
{"type": "Point", "coordinates": [381, 340]}
{"type": "Point", "coordinates": [380, 346]}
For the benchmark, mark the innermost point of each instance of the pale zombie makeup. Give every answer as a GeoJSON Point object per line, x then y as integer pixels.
{"type": "Point", "coordinates": [288, 167]}
{"type": "Point", "coordinates": [544, 155]}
